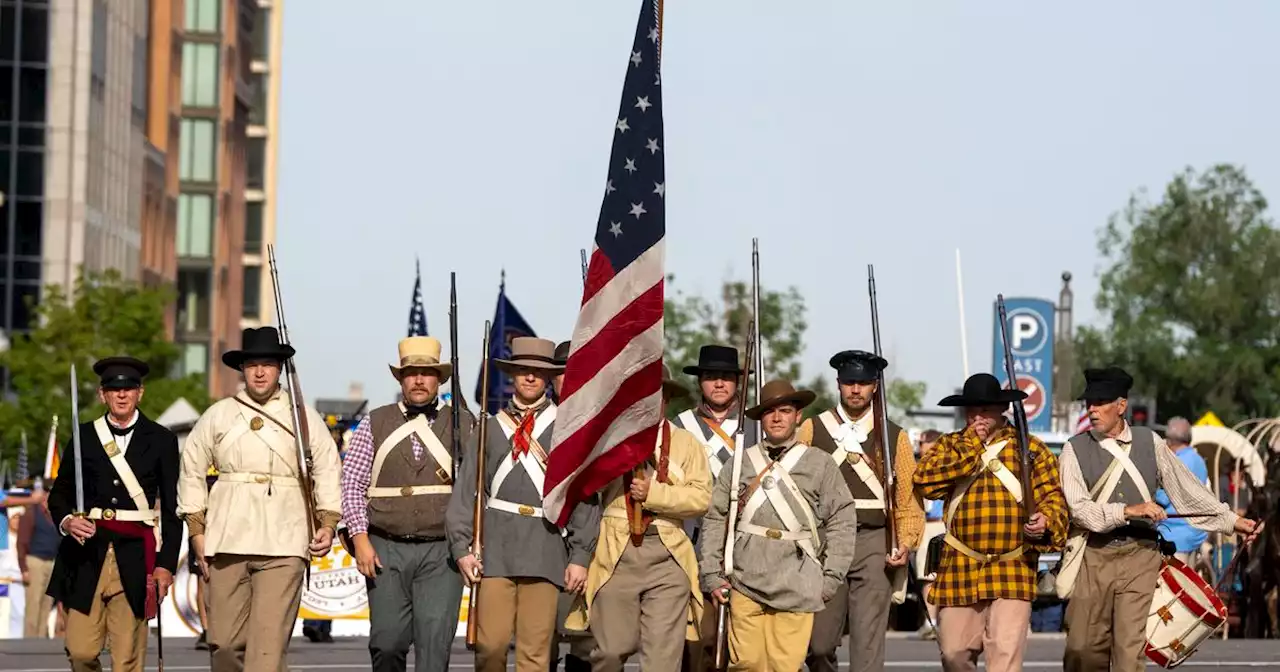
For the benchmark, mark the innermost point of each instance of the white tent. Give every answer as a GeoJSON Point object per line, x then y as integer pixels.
{"type": "Point", "coordinates": [1236, 445]}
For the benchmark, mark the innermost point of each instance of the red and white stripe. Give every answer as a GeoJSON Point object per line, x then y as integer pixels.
{"type": "Point", "coordinates": [611, 406]}
{"type": "Point", "coordinates": [1082, 422]}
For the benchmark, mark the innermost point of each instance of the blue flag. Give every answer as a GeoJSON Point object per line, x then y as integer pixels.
{"type": "Point", "coordinates": [507, 324]}
{"type": "Point", "coordinates": [417, 313]}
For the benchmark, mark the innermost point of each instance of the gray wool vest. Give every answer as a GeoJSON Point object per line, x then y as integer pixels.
{"type": "Point", "coordinates": [1094, 460]}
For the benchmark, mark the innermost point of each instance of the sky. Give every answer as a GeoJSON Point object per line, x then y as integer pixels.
{"type": "Point", "coordinates": [476, 136]}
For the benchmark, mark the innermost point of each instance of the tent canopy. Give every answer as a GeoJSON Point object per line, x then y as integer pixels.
{"type": "Point", "coordinates": [1235, 444]}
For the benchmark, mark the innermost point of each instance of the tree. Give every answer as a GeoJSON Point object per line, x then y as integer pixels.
{"type": "Point", "coordinates": [692, 321]}
{"type": "Point", "coordinates": [902, 396]}
{"type": "Point", "coordinates": [103, 316]}
{"type": "Point", "coordinates": [1191, 298]}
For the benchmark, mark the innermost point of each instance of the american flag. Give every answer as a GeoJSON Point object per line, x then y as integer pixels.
{"type": "Point", "coordinates": [417, 313]}
{"type": "Point", "coordinates": [612, 396]}
{"type": "Point", "coordinates": [1082, 421]}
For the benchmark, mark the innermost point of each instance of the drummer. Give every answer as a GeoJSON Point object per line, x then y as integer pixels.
{"type": "Point", "coordinates": [1108, 609]}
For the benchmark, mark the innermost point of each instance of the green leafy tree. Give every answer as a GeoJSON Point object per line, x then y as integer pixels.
{"type": "Point", "coordinates": [902, 396]}
{"type": "Point", "coordinates": [692, 321]}
{"type": "Point", "coordinates": [104, 315]}
{"type": "Point", "coordinates": [1191, 296]}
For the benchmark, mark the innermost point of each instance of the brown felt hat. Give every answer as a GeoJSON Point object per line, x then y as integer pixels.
{"type": "Point", "coordinates": [778, 392]}
{"type": "Point", "coordinates": [530, 352]}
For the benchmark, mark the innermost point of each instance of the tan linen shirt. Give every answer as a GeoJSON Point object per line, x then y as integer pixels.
{"type": "Point", "coordinates": [256, 506]}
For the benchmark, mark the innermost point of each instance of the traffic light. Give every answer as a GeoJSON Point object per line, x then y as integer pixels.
{"type": "Point", "coordinates": [1139, 416]}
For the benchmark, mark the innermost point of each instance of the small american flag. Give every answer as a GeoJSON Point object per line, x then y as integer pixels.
{"type": "Point", "coordinates": [417, 313]}
{"type": "Point", "coordinates": [611, 404]}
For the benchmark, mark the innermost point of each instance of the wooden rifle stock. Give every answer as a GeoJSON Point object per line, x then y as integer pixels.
{"type": "Point", "coordinates": [477, 511]}
{"type": "Point", "coordinates": [301, 429]}
{"type": "Point", "coordinates": [1019, 415]}
{"type": "Point", "coordinates": [722, 611]}
{"type": "Point", "coordinates": [881, 411]}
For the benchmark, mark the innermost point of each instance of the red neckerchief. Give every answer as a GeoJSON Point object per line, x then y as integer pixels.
{"type": "Point", "coordinates": [524, 433]}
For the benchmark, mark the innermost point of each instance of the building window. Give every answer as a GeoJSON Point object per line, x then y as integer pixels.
{"type": "Point", "coordinates": [200, 74]}
{"type": "Point", "coordinates": [98, 46]}
{"type": "Point", "coordinates": [258, 110]}
{"type": "Point", "coordinates": [203, 15]}
{"type": "Point", "coordinates": [253, 227]}
{"type": "Point", "coordinates": [262, 35]}
{"type": "Point", "coordinates": [195, 225]}
{"type": "Point", "coordinates": [252, 303]}
{"type": "Point", "coordinates": [197, 150]}
{"type": "Point", "coordinates": [193, 299]}
{"type": "Point", "coordinates": [195, 358]}
{"type": "Point", "coordinates": [255, 162]}
{"type": "Point", "coordinates": [141, 83]}
{"type": "Point", "coordinates": [35, 34]}
{"type": "Point", "coordinates": [25, 299]}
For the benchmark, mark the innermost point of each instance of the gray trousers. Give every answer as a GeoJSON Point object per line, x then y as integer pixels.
{"type": "Point", "coordinates": [414, 600]}
{"type": "Point", "coordinates": [862, 602]}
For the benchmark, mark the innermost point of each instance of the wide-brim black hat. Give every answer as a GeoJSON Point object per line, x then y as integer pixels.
{"type": "Point", "coordinates": [120, 373]}
{"type": "Point", "coordinates": [715, 359]}
{"type": "Point", "coordinates": [260, 343]}
{"type": "Point", "coordinates": [1106, 384]}
{"type": "Point", "coordinates": [982, 389]}
{"type": "Point", "coordinates": [776, 393]}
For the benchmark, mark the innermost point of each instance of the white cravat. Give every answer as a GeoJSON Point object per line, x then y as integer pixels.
{"type": "Point", "coordinates": [858, 430]}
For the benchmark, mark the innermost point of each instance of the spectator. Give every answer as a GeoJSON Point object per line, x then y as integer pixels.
{"type": "Point", "coordinates": [38, 540]}
{"type": "Point", "coordinates": [1186, 538]}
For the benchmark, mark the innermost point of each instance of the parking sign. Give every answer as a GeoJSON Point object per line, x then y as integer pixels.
{"type": "Point", "coordinates": [1030, 330]}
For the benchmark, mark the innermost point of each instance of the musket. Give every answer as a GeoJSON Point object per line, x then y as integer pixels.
{"type": "Point", "coordinates": [731, 524]}
{"type": "Point", "coordinates": [159, 632]}
{"type": "Point", "coordinates": [301, 433]}
{"type": "Point", "coordinates": [477, 505]}
{"type": "Point", "coordinates": [75, 443]}
{"type": "Point", "coordinates": [882, 424]}
{"type": "Point", "coordinates": [1019, 414]}
{"type": "Point", "coordinates": [755, 311]}
{"type": "Point", "coordinates": [455, 416]}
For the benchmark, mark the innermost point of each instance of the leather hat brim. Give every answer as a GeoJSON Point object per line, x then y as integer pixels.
{"type": "Point", "coordinates": [1005, 397]}
{"type": "Point", "coordinates": [800, 399]}
{"type": "Point", "coordinates": [443, 369]}
{"type": "Point", "coordinates": [236, 358]}
{"type": "Point", "coordinates": [695, 370]}
{"type": "Point", "coordinates": [507, 366]}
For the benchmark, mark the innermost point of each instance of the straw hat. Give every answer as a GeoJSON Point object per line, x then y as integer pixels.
{"type": "Point", "coordinates": [421, 352]}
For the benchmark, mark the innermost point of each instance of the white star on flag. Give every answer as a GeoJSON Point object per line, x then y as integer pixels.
{"type": "Point", "coordinates": [622, 125]}
{"type": "Point", "coordinates": [643, 103]}
{"type": "Point", "coordinates": [631, 166]}
{"type": "Point", "coordinates": [652, 146]}
{"type": "Point", "coordinates": [615, 228]}
{"type": "Point", "coordinates": [637, 209]}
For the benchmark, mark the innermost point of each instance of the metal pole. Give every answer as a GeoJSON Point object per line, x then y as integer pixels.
{"type": "Point", "coordinates": [964, 335]}
{"type": "Point", "coordinates": [755, 309]}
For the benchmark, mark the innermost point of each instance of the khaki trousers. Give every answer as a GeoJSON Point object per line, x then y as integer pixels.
{"type": "Point", "coordinates": [763, 639]}
{"type": "Point", "coordinates": [521, 606]}
{"type": "Point", "coordinates": [642, 608]}
{"type": "Point", "coordinates": [861, 603]}
{"type": "Point", "coordinates": [35, 622]}
{"type": "Point", "coordinates": [253, 605]}
{"type": "Point", "coordinates": [1107, 613]}
{"type": "Point", "coordinates": [996, 628]}
{"type": "Point", "coordinates": [111, 616]}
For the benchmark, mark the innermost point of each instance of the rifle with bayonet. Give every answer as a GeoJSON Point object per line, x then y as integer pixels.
{"type": "Point", "coordinates": [1019, 415]}
{"type": "Point", "coordinates": [459, 403]}
{"type": "Point", "coordinates": [731, 524]}
{"type": "Point", "coordinates": [882, 426]}
{"type": "Point", "coordinates": [478, 503]}
{"type": "Point", "coordinates": [301, 430]}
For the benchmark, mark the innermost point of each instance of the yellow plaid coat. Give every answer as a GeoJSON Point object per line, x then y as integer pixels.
{"type": "Point", "coordinates": [989, 520]}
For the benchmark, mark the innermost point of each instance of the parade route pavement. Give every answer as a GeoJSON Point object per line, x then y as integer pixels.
{"type": "Point", "coordinates": [1044, 652]}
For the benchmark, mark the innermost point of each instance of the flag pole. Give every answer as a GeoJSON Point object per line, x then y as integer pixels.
{"type": "Point", "coordinates": [964, 337]}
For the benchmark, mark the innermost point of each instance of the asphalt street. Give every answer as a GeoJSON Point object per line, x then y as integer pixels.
{"type": "Point", "coordinates": [1043, 653]}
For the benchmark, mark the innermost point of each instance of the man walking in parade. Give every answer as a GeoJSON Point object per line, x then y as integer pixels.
{"type": "Point", "coordinates": [642, 590]}
{"type": "Point", "coordinates": [848, 434]}
{"type": "Point", "coordinates": [118, 556]}
{"type": "Point", "coordinates": [396, 483]}
{"type": "Point", "coordinates": [249, 532]}
{"type": "Point", "coordinates": [1108, 475]}
{"type": "Point", "coordinates": [987, 576]}
{"type": "Point", "coordinates": [714, 423]}
{"type": "Point", "coordinates": [527, 560]}
{"type": "Point", "coordinates": [793, 541]}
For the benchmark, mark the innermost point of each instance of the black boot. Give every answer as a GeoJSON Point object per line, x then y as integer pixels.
{"type": "Point", "coordinates": [573, 663]}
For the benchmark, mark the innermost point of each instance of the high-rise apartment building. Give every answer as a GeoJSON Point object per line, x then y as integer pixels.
{"type": "Point", "coordinates": [258, 306]}
{"type": "Point", "coordinates": [216, 98]}
{"type": "Point", "coordinates": [160, 178]}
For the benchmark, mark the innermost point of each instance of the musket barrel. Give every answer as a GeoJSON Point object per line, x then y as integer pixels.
{"type": "Point", "coordinates": [478, 503]}
{"type": "Point", "coordinates": [1019, 414]}
{"type": "Point", "coordinates": [882, 423]}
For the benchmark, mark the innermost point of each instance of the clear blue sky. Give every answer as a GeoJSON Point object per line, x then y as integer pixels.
{"type": "Point", "coordinates": [476, 135]}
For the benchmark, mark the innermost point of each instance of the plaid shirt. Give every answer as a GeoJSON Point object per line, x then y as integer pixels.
{"type": "Point", "coordinates": [989, 519]}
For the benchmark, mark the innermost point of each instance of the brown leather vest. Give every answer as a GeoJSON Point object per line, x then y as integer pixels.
{"type": "Point", "coordinates": [869, 518]}
{"type": "Point", "coordinates": [419, 516]}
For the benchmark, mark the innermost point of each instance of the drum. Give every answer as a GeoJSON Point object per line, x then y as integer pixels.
{"type": "Point", "coordinates": [1185, 611]}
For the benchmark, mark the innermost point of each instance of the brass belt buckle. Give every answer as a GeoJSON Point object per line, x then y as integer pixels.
{"type": "Point", "coordinates": [261, 478]}
{"type": "Point", "coordinates": [773, 534]}
{"type": "Point", "coordinates": [406, 490]}
{"type": "Point", "coordinates": [526, 510]}
{"type": "Point", "coordinates": [108, 514]}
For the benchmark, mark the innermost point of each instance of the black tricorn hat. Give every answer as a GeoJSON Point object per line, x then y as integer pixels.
{"type": "Point", "coordinates": [715, 359]}
{"type": "Point", "coordinates": [260, 343]}
{"type": "Point", "coordinates": [983, 389]}
{"type": "Point", "coordinates": [561, 356]}
{"type": "Point", "coordinates": [1106, 384]}
{"type": "Point", "coordinates": [121, 373]}
{"type": "Point", "coordinates": [857, 366]}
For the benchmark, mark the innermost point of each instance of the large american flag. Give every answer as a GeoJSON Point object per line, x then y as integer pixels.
{"type": "Point", "coordinates": [610, 409]}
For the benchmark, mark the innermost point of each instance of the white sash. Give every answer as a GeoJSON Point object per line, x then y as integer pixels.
{"type": "Point", "coordinates": [715, 444]}
{"type": "Point", "coordinates": [419, 427]}
{"type": "Point", "coordinates": [286, 453]}
{"type": "Point", "coordinates": [146, 514]}
{"type": "Point", "coordinates": [1010, 483]}
{"type": "Point", "coordinates": [808, 542]}
{"type": "Point", "coordinates": [1122, 456]}
{"type": "Point", "coordinates": [860, 467]}
{"type": "Point", "coordinates": [535, 469]}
